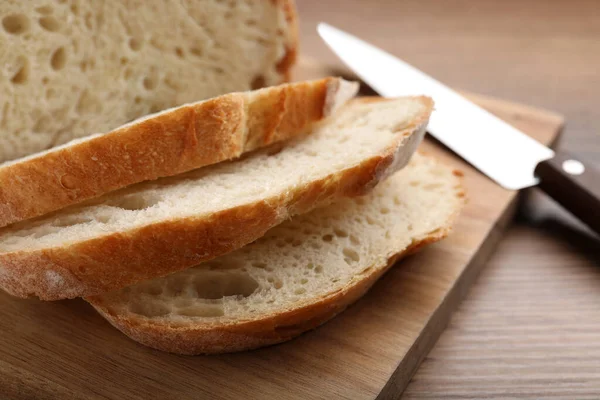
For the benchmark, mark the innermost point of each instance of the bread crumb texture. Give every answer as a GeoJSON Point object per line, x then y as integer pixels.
{"type": "Point", "coordinates": [72, 68]}
{"type": "Point", "coordinates": [325, 259]}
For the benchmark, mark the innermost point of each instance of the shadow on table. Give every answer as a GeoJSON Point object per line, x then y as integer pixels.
{"type": "Point", "coordinates": [539, 211]}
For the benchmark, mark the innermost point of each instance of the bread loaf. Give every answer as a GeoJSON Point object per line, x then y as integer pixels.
{"type": "Point", "coordinates": [152, 229]}
{"type": "Point", "coordinates": [300, 274]}
{"type": "Point", "coordinates": [73, 68]}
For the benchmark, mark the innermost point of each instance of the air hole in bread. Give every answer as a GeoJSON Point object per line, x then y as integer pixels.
{"type": "Point", "coordinates": [49, 23]}
{"type": "Point", "coordinates": [310, 266]}
{"type": "Point", "coordinates": [196, 51]}
{"type": "Point", "coordinates": [262, 41]}
{"type": "Point", "coordinates": [149, 83]}
{"type": "Point", "coordinates": [44, 10]}
{"type": "Point", "coordinates": [370, 220]}
{"type": "Point", "coordinates": [350, 255]}
{"type": "Point", "coordinates": [179, 52]}
{"type": "Point", "coordinates": [251, 22]}
{"type": "Point", "coordinates": [303, 281]}
{"type": "Point", "coordinates": [135, 203]}
{"type": "Point", "coordinates": [205, 311]}
{"type": "Point", "coordinates": [258, 82]}
{"type": "Point", "coordinates": [75, 9]}
{"type": "Point", "coordinates": [15, 24]}
{"type": "Point", "coordinates": [135, 44]}
{"type": "Point", "coordinates": [148, 309]}
{"type": "Point", "coordinates": [103, 219]}
{"type": "Point", "coordinates": [70, 221]}
{"type": "Point", "coordinates": [278, 284]}
{"type": "Point", "coordinates": [384, 210]}
{"type": "Point", "coordinates": [354, 240]}
{"type": "Point", "coordinates": [397, 200]}
{"type": "Point", "coordinates": [327, 238]}
{"type": "Point", "coordinates": [300, 291]}
{"type": "Point", "coordinates": [414, 183]}
{"type": "Point", "coordinates": [319, 269]}
{"type": "Point", "coordinates": [22, 75]}
{"type": "Point", "coordinates": [219, 284]}
{"type": "Point", "coordinates": [340, 233]}
{"type": "Point", "coordinates": [409, 227]}
{"type": "Point", "coordinates": [58, 59]}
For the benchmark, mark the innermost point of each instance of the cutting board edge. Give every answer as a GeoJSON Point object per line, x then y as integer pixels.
{"type": "Point", "coordinates": [440, 318]}
{"type": "Point", "coordinates": [429, 336]}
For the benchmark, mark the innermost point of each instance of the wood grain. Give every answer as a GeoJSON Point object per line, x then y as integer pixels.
{"type": "Point", "coordinates": [536, 52]}
{"type": "Point", "coordinates": [65, 350]}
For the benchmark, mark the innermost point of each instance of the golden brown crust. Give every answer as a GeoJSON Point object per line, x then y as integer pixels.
{"type": "Point", "coordinates": [285, 64]}
{"type": "Point", "coordinates": [185, 138]}
{"type": "Point", "coordinates": [117, 260]}
{"type": "Point", "coordinates": [264, 331]}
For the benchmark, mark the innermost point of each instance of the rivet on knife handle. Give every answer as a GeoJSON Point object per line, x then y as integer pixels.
{"type": "Point", "coordinates": [574, 184]}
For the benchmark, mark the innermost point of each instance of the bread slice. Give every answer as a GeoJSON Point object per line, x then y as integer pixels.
{"type": "Point", "coordinates": [164, 144]}
{"type": "Point", "coordinates": [73, 68]}
{"type": "Point", "coordinates": [155, 228]}
{"type": "Point", "coordinates": [300, 274]}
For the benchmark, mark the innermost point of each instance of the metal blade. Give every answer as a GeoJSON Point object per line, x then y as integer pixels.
{"type": "Point", "coordinates": [502, 152]}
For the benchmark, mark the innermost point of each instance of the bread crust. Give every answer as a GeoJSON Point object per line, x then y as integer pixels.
{"type": "Point", "coordinates": [264, 331]}
{"type": "Point", "coordinates": [120, 259]}
{"type": "Point", "coordinates": [285, 64]}
{"type": "Point", "coordinates": [169, 143]}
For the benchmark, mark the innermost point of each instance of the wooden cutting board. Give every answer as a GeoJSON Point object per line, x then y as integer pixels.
{"type": "Point", "coordinates": [64, 350]}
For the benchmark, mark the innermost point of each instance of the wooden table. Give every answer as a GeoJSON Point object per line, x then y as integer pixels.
{"type": "Point", "coordinates": [530, 327]}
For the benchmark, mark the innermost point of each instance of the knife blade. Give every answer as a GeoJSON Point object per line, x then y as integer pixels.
{"type": "Point", "coordinates": [503, 153]}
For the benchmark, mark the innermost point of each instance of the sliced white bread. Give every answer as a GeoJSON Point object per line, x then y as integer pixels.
{"type": "Point", "coordinates": [164, 144]}
{"type": "Point", "coordinates": [71, 68]}
{"type": "Point", "coordinates": [299, 275]}
{"type": "Point", "coordinates": [154, 228]}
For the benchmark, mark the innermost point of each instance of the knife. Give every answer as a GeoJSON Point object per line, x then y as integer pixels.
{"type": "Point", "coordinates": [503, 153]}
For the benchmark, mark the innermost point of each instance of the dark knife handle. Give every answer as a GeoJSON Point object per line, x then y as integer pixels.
{"type": "Point", "coordinates": [574, 184]}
